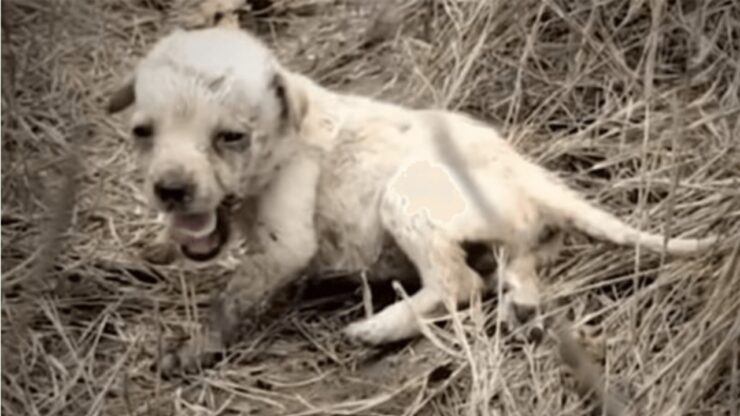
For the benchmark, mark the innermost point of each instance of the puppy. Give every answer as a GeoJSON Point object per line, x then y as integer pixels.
{"type": "Point", "coordinates": [332, 179]}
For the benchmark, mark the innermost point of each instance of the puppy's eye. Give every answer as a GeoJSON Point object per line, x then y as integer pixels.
{"type": "Point", "coordinates": [232, 137]}
{"type": "Point", "coordinates": [143, 131]}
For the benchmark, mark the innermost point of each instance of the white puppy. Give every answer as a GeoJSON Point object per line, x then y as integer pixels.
{"type": "Point", "coordinates": [335, 178]}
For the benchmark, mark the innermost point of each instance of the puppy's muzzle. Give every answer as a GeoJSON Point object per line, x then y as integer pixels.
{"type": "Point", "coordinates": [201, 232]}
{"type": "Point", "coordinates": [174, 190]}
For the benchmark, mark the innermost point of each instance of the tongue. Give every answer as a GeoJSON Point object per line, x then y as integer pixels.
{"type": "Point", "coordinates": [202, 245]}
{"type": "Point", "coordinates": [196, 232]}
{"type": "Point", "coordinates": [198, 224]}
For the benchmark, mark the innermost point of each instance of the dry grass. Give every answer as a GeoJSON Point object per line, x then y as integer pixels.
{"type": "Point", "coordinates": [636, 103]}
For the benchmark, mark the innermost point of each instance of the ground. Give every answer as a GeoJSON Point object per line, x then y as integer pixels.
{"type": "Point", "coordinates": [634, 103]}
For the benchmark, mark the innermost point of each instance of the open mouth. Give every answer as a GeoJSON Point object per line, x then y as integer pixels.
{"type": "Point", "coordinates": [201, 236]}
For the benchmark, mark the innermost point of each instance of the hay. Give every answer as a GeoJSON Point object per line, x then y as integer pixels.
{"type": "Point", "coordinates": [635, 103]}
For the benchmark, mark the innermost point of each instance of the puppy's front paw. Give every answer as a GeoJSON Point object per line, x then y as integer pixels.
{"type": "Point", "coordinates": [227, 317]}
{"type": "Point", "coordinates": [233, 314]}
{"type": "Point", "coordinates": [198, 353]}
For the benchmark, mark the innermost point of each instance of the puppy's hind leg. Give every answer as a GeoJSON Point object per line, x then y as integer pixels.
{"type": "Point", "coordinates": [521, 303]}
{"type": "Point", "coordinates": [444, 274]}
{"type": "Point", "coordinates": [521, 299]}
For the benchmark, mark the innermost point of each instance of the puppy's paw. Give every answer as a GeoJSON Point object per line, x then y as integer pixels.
{"type": "Point", "coordinates": [232, 315]}
{"type": "Point", "coordinates": [198, 353]}
{"type": "Point", "coordinates": [364, 331]}
{"type": "Point", "coordinates": [228, 314]}
{"type": "Point", "coordinates": [524, 318]}
{"type": "Point", "coordinates": [220, 13]}
{"type": "Point", "coordinates": [370, 331]}
{"type": "Point", "coordinates": [393, 324]}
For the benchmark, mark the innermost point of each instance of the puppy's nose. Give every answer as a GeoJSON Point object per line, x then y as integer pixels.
{"type": "Point", "coordinates": [173, 191]}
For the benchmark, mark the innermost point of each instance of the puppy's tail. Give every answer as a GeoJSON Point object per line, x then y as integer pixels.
{"type": "Point", "coordinates": [569, 208]}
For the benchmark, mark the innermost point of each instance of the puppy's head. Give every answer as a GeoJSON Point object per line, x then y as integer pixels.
{"type": "Point", "coordinates": [213, 116]}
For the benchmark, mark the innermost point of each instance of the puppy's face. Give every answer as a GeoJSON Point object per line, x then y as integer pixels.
{"type": "Point", "coordinates": [213, 117]}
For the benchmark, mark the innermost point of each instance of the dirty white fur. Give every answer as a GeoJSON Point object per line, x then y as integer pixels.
{"type": "Point", "coordinates": [324, 167]}
{"type": "Point", "coordinates": [221, 13]}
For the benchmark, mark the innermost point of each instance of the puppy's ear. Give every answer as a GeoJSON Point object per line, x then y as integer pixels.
{"type": "Point", "coordinates": [291, 98]}
{"type": "Point", "coordinates": [122, 97]}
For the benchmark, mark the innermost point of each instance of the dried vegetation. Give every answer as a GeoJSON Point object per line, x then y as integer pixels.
{"type": "Point", "coordinates": [635, 102]}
